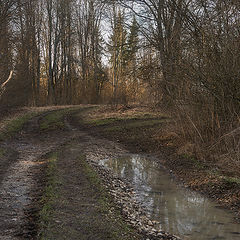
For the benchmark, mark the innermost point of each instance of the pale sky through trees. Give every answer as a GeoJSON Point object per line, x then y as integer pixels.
{"type": "Point", "coordinates": [187, 48]}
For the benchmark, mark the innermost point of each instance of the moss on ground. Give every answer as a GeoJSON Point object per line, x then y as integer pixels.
{"type": "Point", "coordinates": [14, 126]}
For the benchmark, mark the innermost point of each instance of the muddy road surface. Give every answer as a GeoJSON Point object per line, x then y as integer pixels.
{"type": "Point", "coordinates": [60, 178]}
{"type": "Point", "coordinates": [86, 204]}
{"type": "Point", "coordinates": [22, 178]}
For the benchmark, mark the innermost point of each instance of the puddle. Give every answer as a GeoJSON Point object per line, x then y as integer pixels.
{"type": "Point", "coordinates": [179, 211]}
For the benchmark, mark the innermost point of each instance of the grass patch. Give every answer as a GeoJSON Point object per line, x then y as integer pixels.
{"type": "Point", "coordinates": [231, 180]}
{"type": "Point", "coordinates": [134, 125]}
{"type": "Point", "coordinates": [106, 205]}
{"type": "Point", "coordinates": [99, 116]}
{"type": "Point", "coordinates": [55, 120]}
{"type": "Point", "coordinates": [50, 193]}
{"type": "Point", "coordinates": [114, 129]}
{"type": "Point", "coordinates": [2, 152]}
{"type": "Point", "coordinates": [194, 161]}
{"type": "Point", "coordinates": [95, 181]}
{"type": "Point", "coordinates": [146, 123]}
{"type": "Point", "coordinates": [133, 121]}
{"type": "Point", "coordinates": [15, 125]}
{"type": "Point", "coordinates": [101, 122]}
{"type": "Point", "coordinates": [85, 112]}
{"type": "Point", "coordinates": [91, 174]}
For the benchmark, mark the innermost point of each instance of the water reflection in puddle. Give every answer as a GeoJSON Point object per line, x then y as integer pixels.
{"type": "Point", "coordinates": [180, 211]}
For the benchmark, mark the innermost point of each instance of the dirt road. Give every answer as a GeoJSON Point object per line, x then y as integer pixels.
{"type": "Point", "coordinates": [50, 190]}
{"type": "Point", "coordinates": [52, 187]}
{"type": "Point", "coordinates": [21, 178]}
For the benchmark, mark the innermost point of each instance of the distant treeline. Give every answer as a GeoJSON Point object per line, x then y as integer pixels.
{"type": "Point", "coordinates": [183, 55]}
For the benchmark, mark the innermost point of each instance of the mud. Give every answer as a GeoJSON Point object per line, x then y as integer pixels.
{"type": "Point", "coordinates": [20, 187]}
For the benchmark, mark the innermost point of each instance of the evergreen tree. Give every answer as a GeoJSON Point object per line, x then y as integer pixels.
{"type": "Point", "coordinates": [133, 40]}
{"type": "Point", "coordinates": [132, 43]}
{"type": "Point", "coordinates": [118, 50]}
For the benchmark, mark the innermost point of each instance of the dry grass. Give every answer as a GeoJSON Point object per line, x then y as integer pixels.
{"type": "Point", "coordinates": [121, 112]}
{"type": "Point", "coordinates": [208, 136]}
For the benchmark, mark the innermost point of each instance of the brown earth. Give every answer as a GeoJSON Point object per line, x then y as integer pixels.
{"type": "Point", "coordinates": [25, 162]}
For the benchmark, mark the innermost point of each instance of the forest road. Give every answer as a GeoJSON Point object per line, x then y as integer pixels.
{"type": "Point", "coordinates": [23, 180]}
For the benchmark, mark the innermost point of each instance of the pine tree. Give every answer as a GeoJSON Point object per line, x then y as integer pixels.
{"type": "Point", "coordinates": [133, 40]}
{"type": "Point", "coordinates": [118, 50]}
{"type": "Point", "coordinates": [132, 43]}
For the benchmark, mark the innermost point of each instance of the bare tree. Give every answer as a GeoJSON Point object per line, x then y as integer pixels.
{"type": "Point", "coordinates": [3, 85]}
{"type": "Point", "coordinates": [89, 15]}
{"type": "Point", "coordinates": [7, 9]}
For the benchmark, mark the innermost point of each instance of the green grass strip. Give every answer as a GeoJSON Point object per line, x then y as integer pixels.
{"type": "Point", "coordinates": [106, 203]}
{"type": "Point", "coordinates": [49, 195]}
{"type": "Point", "coordinates": [54, 120]}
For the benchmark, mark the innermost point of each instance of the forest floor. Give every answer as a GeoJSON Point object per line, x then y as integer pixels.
{"type": "Point", "coordinates": [49, 189]}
